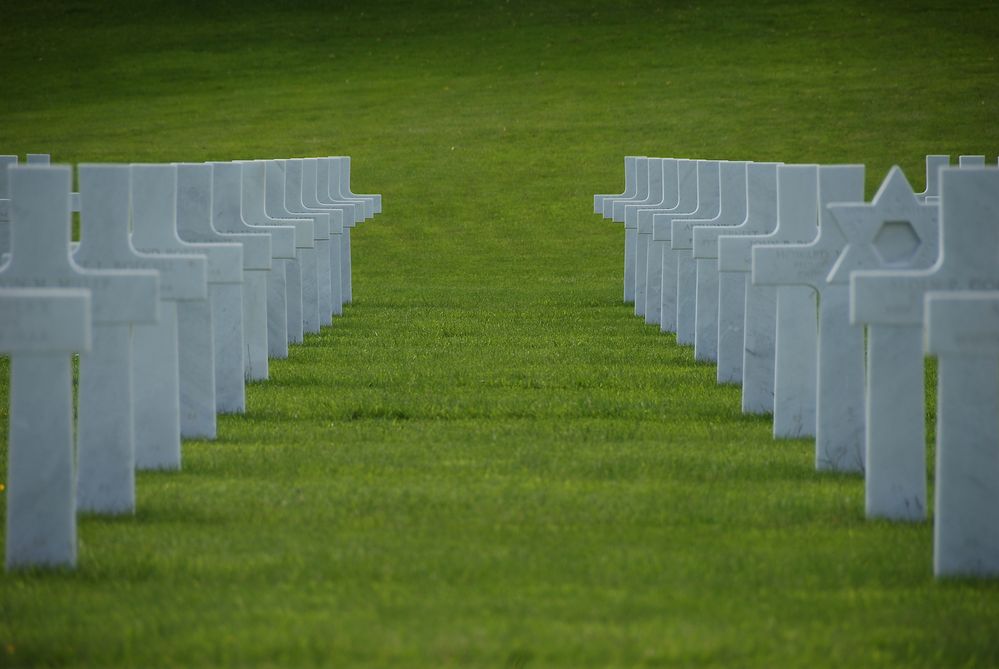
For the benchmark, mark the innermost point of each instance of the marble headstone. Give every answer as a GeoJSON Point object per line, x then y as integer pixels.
{"type": "Point", "coordinates": [340, 188]}
{"type": "Point", "coordinates": [630, 185]}
{"type": "Point", "coordinates": [761, 217]}
{"type": "Point", "coordinates": [193, 205]}
{"type": "Point", "coordinates": [663, 194]}
{"type": "Point", "coordinates": [963, 332]}
{"type": "Point", "coordinates": [894, 231]}
{"type": "Point", "coordinates": [339, 248]}
{"type": "Point", "coordinates": [324, 246]}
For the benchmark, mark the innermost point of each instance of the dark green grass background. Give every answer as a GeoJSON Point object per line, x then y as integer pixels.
{"type": "Point", "coordinates": [488, 461]}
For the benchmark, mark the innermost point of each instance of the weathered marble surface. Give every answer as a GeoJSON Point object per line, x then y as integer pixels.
{"type": "Point", "coordinates": [227, 220]}
{"type": "Point", "coordinates": [169, 359]}
{"type": "Point", "coordinates": [731, 212]}
{"type": "Point", "coordinates": [733, 282]}
{"type": "Point", "coordinates": [683, 293]}
{"type": "Point", "coordinates": [225, 290]}
{"type": "Point", "coordinates": [665, 183]}
{"type": "Point", "coordinates": [963, 332]}
{"type": "Point", "coordinates": [760, 310]}
{"type": "Point", "coordinates": [649, 253]}
{"type": "Point", "coordinates": [630, 185]}
{"type": "Point", "coordinates": [106, 431]}
{"type": "Point", "coordinates": [832, 408]}
{"type": "Point", "coordinates": [969, 235]}
{"type": "Point", "coordinates": [894, 231]}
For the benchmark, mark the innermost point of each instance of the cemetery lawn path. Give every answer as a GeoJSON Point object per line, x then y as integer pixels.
{"type": "Point", "coordinates": [488, 461]}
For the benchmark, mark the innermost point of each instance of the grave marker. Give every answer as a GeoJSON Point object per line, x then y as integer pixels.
{"type": "Point", "coordinates": [324, 247]}
{"type": "Point", "coordinates": [330, 191]}
{"type": "Point", "coordinates": [285, 286]}
{"type": "Point", "coordinates": [40, 328]}
{"type": "Point", "coordinates": [732, 212]}
{"type": "Point", "coordinates": [227, 220]}
{"type": "Point", "coordinates": [340, 188]}
{"type": "Point", "coordinates": [107, 432]}
{"type": "Point", "coordinates": [682, 293]}
{"type": "Point", "coordinates": [191, 185]}
{"type": "Point", "coordinates": [895, 231]}
{"type": "Point", "coordinates": [963, 332]}
{"type": "Point", "coordinates": [646, 247]}
{"type": "Point", "coordinates": [172, 395]}
{"type": "Point", "coordinates": [275, 205]}
{"type": "Point", "coordinates": [891, 303]}
{"type": "Point", "coordinates": [339, 252]}
{"type": "Point", "coordinates": [733, 285]}
{"type": "Point", "coordinates": [663, 182]}
{"type": "Point", "coordinates": [829, 405]}
{"type": "Point", "coordinates": [933, 165]}
{"type": "Point", "coordinates": [760, 329]}
{"type": "Point", "coordinates": [641, 191]}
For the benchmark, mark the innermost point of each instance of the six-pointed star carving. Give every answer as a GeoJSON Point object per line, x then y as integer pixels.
{"type": "Point", "coordinates": [894, 203]}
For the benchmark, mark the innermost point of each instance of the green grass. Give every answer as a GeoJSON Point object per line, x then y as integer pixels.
{"type": "Point", "coordinates": [488, 461]}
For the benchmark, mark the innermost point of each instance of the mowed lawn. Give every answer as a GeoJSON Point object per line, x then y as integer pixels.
{"type": "Point", "coordinates": [488, 460]}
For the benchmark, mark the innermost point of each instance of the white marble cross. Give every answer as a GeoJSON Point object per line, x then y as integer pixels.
{"type": "Point", "coordinates": [172, 381]}
{"type": "Point", "coordinates": [760, 306]}
{"type": "Point", "coordinates": [190, 186]}
{"type": "Point", "coordinates": [630, 185]}
{"type": "Point", "coordinates": [107, 432]}
{"type": "Point", "coordinates": [663, 194]}
{"type": "Point", "coordinates": [327, 250]}
{"type": "Point", "coordinates": [963, 332]}
{"type": "Point", "coordinates": [761, 217]}
{"type": "Point", "coordinates": [308, 320]}
{"type": "Point", "coordinates": [284, 282]}
{"type": "Point", "coordinates": [227, 221]}
{"type": "Point", "coordinates": [41, 509]}
{"type": "Point", "coordinates": [684, 291]}
{"type": "Point", "coordinates": [732, 212]}
{"type": "Point", "coordinates": [333, 188]}
{"type": "Point", "coordinates": [894, 231]}
{"type": "Point", "coordinates": [650, 294]}
{"type": "Point", "coordinates": [891, 303]}
{"type": "Point", "coordinates": [353, 213]}
{"type": "Point", "coordinates": [40, 328]}
{"type": "Point", "coordinates": [829, 405]}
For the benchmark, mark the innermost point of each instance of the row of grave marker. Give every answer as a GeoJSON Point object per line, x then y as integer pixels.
{"type": "Point", "coordinates": [821, 305]}
{"type": "Point", "coordinates": [186, 279]}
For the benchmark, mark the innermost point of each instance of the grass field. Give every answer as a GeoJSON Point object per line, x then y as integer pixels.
{"type": "Point", "coordinates": [488, 461]}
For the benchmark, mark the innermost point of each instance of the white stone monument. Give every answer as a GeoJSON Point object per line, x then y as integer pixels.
{"type": "Point", "coordinates": [171, 377]}
{"type": "Point", "coordinates": [40, 328]}
{"type": "Point", "coordinates": [732, 212]}
{"type": "Point", "coordinates": [679, 285]}
{"type": "Point", "coordinates": [108, 385]}
{"type": "Point", "coordinates": [733, 284]}
{"type": "Point", "coordinates": [353, 214]}
{"type": "Point", "coordinates": [331, 190]}
{"type": "Point", "coordinates": [933, 164]}
{"type": "Point", "coordinates": [971, 161]}
{"type": "Point", "coordinates": [650, 294]}
{"type": "Point", "coordinates": [285, 285]}
{"type": "Point", "coordinates": [797, 187]}
{"type": "Point", "coordinates": [663, 194]}
{"type": "Point", "coordinates": [227, 220]}
{"type": "Point", "coordinates": [641, 190]}
{"type": "Point", "coordinates": [829, 403]}
{"type": "Point", "coordinates": [890, 302]}
{"type": "Point", "coordinates": [963, 332]}
{"type": "Point", "coordinates": [274, 203]}
{"type": "Point", "coordinates": [894, 231]}
{"type": "Point", "coordinates": [325, 256]}
{"type": "Point", "coordinates": [192, 185]}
